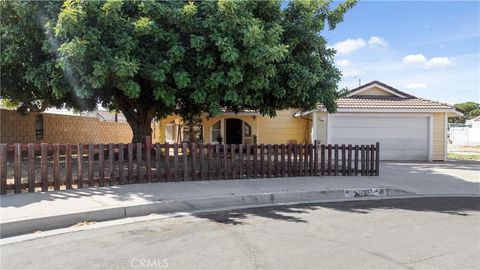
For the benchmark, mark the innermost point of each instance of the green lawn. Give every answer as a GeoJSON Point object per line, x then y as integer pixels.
{"type": "Point", "coordinates": [464, 157]}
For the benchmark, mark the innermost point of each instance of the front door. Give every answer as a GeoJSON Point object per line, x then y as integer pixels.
{"type": "Point", "coordinates": [233, 131]}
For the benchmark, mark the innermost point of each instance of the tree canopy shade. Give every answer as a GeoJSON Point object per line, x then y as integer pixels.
{"type": "Point", "coordinates": [151, 59]}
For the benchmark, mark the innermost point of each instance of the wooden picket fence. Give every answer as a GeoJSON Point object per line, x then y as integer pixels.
{"type": "Point", "coordinates": [44, 167]}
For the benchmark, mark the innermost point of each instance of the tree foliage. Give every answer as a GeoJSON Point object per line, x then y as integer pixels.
{"type": "Point", "coordinates": [470, 110]}
{"type": "Point", "coordinates": [151, 59]}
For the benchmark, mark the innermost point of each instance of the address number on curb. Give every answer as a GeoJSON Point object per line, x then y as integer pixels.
{"type": "Point", "coordinates": [365, 192]}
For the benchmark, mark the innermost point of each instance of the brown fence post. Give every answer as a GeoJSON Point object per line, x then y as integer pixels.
{"type": "Point", "coordinates": [367, 159]}
{"type": "Point", "coordinates": [201, 160]}
{"type": "Point", "coordinates": [130, 163]}
{"type": "Point", "coordinates": [148, 158]}
{"type": "Point", "coordinates": [329, 160]}
{"type": "Point", "coordinates": [140, 177]}
{"type": "Point", "coordinates": [185, 161]}
{"type": "Point", "coordinates": [315, 158]}
{"type": "Point", "coordinates": [193, 157]}
{"type": "Point", "coordinates": [255, 159]}
{"type": "Point", "coordinates": [276, 166]}
{"type": "Point", "coordinates": [175, 161]}
{"type": "Point", "coordinates": [110, 164]}
{"type": "Point", "coordinates": [31, 167]}
{"type": "Point", "coordinates": [356, 160]}
{"type": "Point", "coordinates": [248, 170]}
{"type": "Point", "coordinates": [218, 161]}
{"type": "Point", "coordinates": [295, 160]}
{"type": "Point", "coordinates": [90, 166]}
{"type": "Point", "coordinates": [372, 159]}
{"type": "Point", "coordinates": [44, 166]}
{"type": "Point", "coordinates": [56, 166]}
{"type": "Point", "coordinates": [17, 172]}
{"type": "Point", "coordinates": [300, 159]}
{"type": "Point", "coordinates": [232, 161]}
{"type": "Point", "coordinates": [157, 162]}
{"type": "Point", "coordinates": [68, 166]}
{"type": "Point", "coordinates": [289, 160]}
{"type": "Point", "coordinates": [282, 160]}
{"type": "Point", "coordinates": [335, 164]}
{"type": "Point", "coordinates": [101, 165]}
{"type": "Point", "coordinates": [79, 165]}
{"type": "Point", "coordinates": [210, 173]}
{"type": "Point", "coordinates": [268, 169]}
{"type": "Point", "coordinates": [377, 159]}
{"type": "Point", "coordinates": [240, 160]}
{"type": "Point", "coordinates": [311, 160]}
{"type": "Point", "coordinates": [349, 162]}
{"type": "Point", "coordinates": [167, 162]}
{"type": "Point", "coordinates": [121, 161]}
{"type": "Point", "coordinates": [362, 160]}
{"type": "Point", "coordinates": [344, 161]}
{"type": "Point", "coordinates": [3, 168]}
{"type": "Point", "coordinates": [322, 160]}
{"type": "Point", "coordinates": [225, 161]}
{"type": "Point", "coordinates": [262, 161]}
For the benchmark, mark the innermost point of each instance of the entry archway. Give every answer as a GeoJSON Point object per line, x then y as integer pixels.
{"type": "Point", "coordinates": [231, 131]}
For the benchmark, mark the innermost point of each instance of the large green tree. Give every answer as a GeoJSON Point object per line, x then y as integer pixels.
{"type": "Point", "coordinates": [154, 58]}
{"type": "Point", "coordinates": [470, 110]}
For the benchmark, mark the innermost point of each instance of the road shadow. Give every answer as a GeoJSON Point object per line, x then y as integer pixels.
{"type": "Point", "coordinates": [461, 206]}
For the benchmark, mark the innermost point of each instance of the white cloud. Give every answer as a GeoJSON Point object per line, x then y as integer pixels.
{"type": "Point", "coordinates": [439, 62]}
{"type": "Point", "coordinates": [343, 63]}
{"type": "Point", "coordinates": [377, 41]}
{"type": "Point", "coordinates": [414, 58]}
{"type": "Point", "coordinates": [348, 46]}
{"type": "Point", "coordinates": [417, 86]}
{"type": "Point", "coordinates": [435, 62]}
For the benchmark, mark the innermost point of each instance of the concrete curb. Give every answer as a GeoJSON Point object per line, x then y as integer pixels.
{"type": "Point", "coordinates": [25, 226]}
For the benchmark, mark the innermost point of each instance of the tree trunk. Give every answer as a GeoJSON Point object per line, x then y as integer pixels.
{"type": "Point", "coordinates": [139, 115]}
{"type": "Point", "coordinates": [141, 129]}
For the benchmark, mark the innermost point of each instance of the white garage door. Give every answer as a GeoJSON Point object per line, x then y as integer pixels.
{"type": "Point", "coordinates": [401, 138]}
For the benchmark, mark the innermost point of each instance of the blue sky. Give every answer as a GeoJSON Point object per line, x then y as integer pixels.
{"type": "Point", "coordinates": [429, 49]}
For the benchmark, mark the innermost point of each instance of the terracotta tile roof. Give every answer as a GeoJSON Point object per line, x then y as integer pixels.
{"type": "Point", "coordinates": [388, 102]}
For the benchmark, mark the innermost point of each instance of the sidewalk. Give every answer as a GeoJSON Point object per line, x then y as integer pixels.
{"type": "Point", "coordinates": [24, 213]}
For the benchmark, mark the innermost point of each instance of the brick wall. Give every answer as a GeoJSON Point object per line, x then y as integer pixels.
{"type": "Point", "coordinates": [17, 128]}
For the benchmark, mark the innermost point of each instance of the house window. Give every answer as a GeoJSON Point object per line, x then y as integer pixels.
{"type": "Point", "coordinates": [247, 130]}
{"type": "Point", "coordinates": [171, 132]}
{"type": "Point", "coordinates": [39, 126]}
{"type": "Point", "coordinates": [217, 132]}
{"type": "Point", "coordinates": [192, 133]}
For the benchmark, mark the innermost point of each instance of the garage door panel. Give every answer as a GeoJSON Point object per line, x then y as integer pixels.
{"type": "Point", "coordinates": [401, 138]}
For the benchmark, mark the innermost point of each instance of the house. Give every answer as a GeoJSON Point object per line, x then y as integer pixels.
{"type": "Point", "coordinates": [407, 127]}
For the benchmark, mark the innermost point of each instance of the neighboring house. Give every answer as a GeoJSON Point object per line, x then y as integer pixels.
{"type": "Point", "coordinates": [468, 134]}
{"type": "Point", "coordinates": [407, 127]}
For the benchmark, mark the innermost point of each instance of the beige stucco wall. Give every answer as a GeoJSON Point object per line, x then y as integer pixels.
{"type": "Point", "coordinates": [438, 136]}
{"type": "Point", "coordinates": [17, 128]}
{"type": "Point", "coordinates": [322, 126]}
{"type": "Point", "coordinates": [374, 91]}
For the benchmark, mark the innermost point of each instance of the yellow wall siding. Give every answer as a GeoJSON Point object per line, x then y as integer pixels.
{"type": "Point", "coordinates": [277, 130]}
{"type": "Point", "coordinates": [374, 91]}
{"type": "Point", "coordinates": [284, 128]}
{"type": "Point", "coordinates": [438, 136]}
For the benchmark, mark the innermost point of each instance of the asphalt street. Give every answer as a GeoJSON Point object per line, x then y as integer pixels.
{"type": "Point", "coordinates": [434, 233]}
